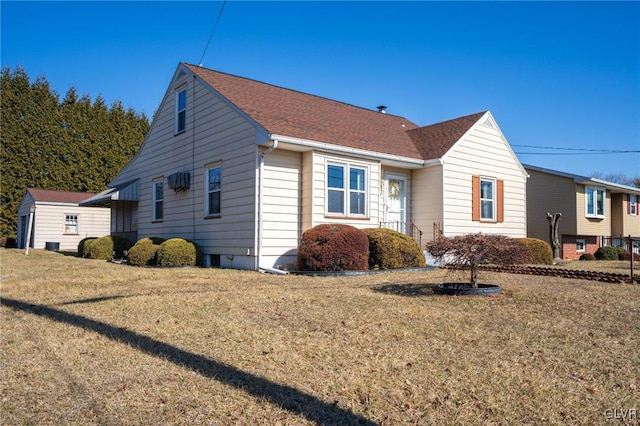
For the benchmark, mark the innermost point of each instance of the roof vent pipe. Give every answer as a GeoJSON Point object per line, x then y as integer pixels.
{"type": "Point", "coordinates": [382, 109]}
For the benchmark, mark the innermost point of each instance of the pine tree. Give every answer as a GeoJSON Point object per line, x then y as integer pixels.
{"type": "Point", "coordinates": [68, 144]}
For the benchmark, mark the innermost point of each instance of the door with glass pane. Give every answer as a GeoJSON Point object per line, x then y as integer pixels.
{"type": "Point", "coordinates": [396, 203]}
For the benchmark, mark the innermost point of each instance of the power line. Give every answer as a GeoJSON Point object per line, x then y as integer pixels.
{"type": "Point", "coordinates": [582, 150]}
{"type": "Point", "coordinates": [576, 153]}
{"type": "Point", "coordinates": [213, 30]}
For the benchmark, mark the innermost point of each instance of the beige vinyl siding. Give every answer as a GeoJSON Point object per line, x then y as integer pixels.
{"type": "Point", "coordinates": [308, 207]}
{"type": "Point", "coordinates": [484, 152]}
{"type": "Point", "coordinates": [426, 199]}
{"type": "Point", "coordinates": [630, 223]}
{"type": "Point", "coordinates": [552, 194]}
{"type": "Point", "coordinates": [592, 226]}
{"type": "Point", "coordinates": [281, 202]}
{"type": "Point", "coordinates": [222, 136]}
{"type": "Point", "coordinates": [49, 224]}
{"type": "Point", "coordinates": [319, 191]}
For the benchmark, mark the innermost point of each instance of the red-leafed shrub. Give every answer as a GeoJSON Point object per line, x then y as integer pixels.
{"type": "Point", "coordinates": [333, 247]}
{"type": "Point", "coordinates": [625, 255]}
{"type": "Point", "coordinates": [471, 250]}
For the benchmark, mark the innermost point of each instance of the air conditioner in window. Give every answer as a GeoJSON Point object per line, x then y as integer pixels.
{"type": "Point", "coordinates": [180, 181]}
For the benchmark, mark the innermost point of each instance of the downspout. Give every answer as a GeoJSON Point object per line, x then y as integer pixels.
{"type": "Point", "coordinates": [263, 154]}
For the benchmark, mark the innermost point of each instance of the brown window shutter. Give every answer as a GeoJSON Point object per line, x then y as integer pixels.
{"type": "Point", "coordinates": [475, 198]}
{"type": "Point", "coordinates": [628, 203]}
{"type": "Point", "coordinates": [500, 197]}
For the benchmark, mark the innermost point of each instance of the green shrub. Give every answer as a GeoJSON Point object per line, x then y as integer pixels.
{"type": "Point", "coordinates": [587, 256]}
{"type": "Point", "coordinates": [608, 253]}
{"type": "Point", "coordinates": [103, 247]}
{"type": "Point", "coordinates": [144, 251]}
{"type": "Point", "coordinates": [541, 251]}
{"type": "Point", "coordinates": [333, 247]}
{"type": "Point", "coordinates": [389, 249]}
{"type": "Point", "coordinates": [176, 252]}
{"type": "Point", "coordinates": [82, 252]}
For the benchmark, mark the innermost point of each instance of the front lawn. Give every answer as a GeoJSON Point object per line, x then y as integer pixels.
{"type": "Point", "coordinates": [90, 342]}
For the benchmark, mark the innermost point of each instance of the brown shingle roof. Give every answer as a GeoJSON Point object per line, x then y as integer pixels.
{"type": "Point", "coordinates": [435, 140]}
{"type": "Point", "coordinates": [47, 196]}
{"type": "Point", "coordinates": [300, 115]}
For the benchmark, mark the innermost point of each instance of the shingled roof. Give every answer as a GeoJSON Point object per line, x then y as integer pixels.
{"type": "Point", "coordinates": [300, 115]}
{"type": "Point", "coordinates": [47, 196]}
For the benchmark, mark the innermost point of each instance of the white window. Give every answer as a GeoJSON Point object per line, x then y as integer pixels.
{"type": "Point", "coordinates": [580, 245]}
{"type": "Point", "coordinates": [213, 190]}
{"type": "Point", "coordinates": [71, 224]}
{"type": "Point", "coordinates": [633, 205]}
{"type": "Point", "coordinates": [346, 190]}
{"type": "Point", "coordinates": [487, 199]}
{"type": "Point", "coordinates": [158, 197]}
{"type": "Point", "coordinates": [181, 111]}
{"type": "Point", "coordinates": [595, 198]}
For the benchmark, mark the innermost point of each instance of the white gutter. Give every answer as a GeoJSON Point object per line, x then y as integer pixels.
{"type": "Point", "coordinates": [263, 154]}
{"type": "Point", "coordinates": [362, 153]}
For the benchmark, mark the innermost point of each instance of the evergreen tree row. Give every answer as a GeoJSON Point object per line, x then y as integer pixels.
{"type": "Point", "coordinates": [69, 144]}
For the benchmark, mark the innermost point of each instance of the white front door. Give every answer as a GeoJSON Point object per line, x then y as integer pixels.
{"type": "Point", "coordinates": [396, 204]}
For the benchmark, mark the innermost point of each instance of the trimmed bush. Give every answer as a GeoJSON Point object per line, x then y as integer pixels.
{"type": "Point", "coordinates": [587, 256]}
{"type": "Point", "coordinates": [144, 251]}
{"type": "Point", "coordinates": [82, 244]}
{"type": "Point", "coordinates": [608, 253]}
{"type": "Point", "coordinates": [103, 247]}
{"type": "Point", "coordinates": [333, 247]}
{"type": "Point", "coordinates": [625, 255]}
{"type": "Point", "coordinates": [389, 249]}
{"type": "Point", "coordinates": [541, 251]}
{"type": "Point", "coordinates": [176, 252]}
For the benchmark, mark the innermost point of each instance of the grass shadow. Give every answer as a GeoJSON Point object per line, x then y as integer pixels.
{"type": "Point", "coordinates": [407, 290]}
{"type": "Point", "coordinates": [90, 300]}
{"type": "Point", "coordinates": [287, 397]}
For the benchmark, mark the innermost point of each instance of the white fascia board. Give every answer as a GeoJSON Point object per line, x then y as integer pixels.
{"type": "Point", "coordinates": [356, 152]}
{"type": "Point", "coordinates": [54, 203]}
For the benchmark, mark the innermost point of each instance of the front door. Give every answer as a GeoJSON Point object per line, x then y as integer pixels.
{"type": "Point", "coordinates": [396, 205]}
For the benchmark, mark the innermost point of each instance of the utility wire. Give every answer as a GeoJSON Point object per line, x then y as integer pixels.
{"type": "Point", "coordinates": [582, 150]}
{"type": "Point", "coordinates": [213, 30]}
{"type": "Point", "coordinates": [576, 153]}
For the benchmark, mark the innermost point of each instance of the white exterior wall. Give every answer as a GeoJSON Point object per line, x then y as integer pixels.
{"type": "Point", "coordinates": [222, 136]}
{"type": "Point", "coordinates": [281, 208]}
{"type": "Point", "coordinates": [49, 223]}
{"type": "Point", "coordinates": [318, 205]}
{"type": "Point", "coordinates": [426, 199]}
{"type": "Point", "coordinates": [482, 151]}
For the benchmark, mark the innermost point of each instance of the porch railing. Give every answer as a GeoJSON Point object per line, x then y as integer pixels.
{"type": "Point", "coordinates": [624, 242]}
{"type": "Point", "coordinates": [408, 228]}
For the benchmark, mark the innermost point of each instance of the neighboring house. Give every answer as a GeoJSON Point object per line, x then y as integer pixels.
{"type": "Point", "coordinates": [243, 168]}
{"type": "Point", "coordinates": [594, 212]}
{"type": "Point", "coordinates": [58, 220]}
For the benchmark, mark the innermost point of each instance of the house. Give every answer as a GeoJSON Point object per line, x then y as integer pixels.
{"type": "Point", "coordinates": [243, 168]}
{"type": "Point", "coordinates": [58, 221]}
{"type": "Point", "coordinates": [594, 212]}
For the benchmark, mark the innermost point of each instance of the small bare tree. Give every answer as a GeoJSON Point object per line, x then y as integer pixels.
{"type": "Point", "coordinates": [471, 250]}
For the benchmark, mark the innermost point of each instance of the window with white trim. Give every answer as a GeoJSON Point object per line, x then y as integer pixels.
{"type": "Point", "coordinates": [71, 224]}
{"type": "Point", "coordinates": [580, 245]}
{"type": "Point", "coordinates": [487, 199]}
{"type": "Point", "coordinates": [213, 190]}
{"type": "Point", "coordinates": [346, 190]}
{"type": "Point", "coordinates": [595, 198]}
{"type": "Point", "coordinates": [158, 201]}
{"type": "Point", "coordinates": [633, 204]}
{"type": "Point", "coordinates": [181, 111]}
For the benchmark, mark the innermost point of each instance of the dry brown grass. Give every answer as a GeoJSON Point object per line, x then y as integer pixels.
{"type": "Point", "coordinates": [88, 342]}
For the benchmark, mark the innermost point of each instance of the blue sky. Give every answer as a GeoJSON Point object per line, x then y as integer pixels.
{"type": "Point", "coordinates": [553, 74]}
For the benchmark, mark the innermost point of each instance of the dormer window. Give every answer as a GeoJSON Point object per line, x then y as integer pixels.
{"type": "Point", "coordinates": [181, 110]}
